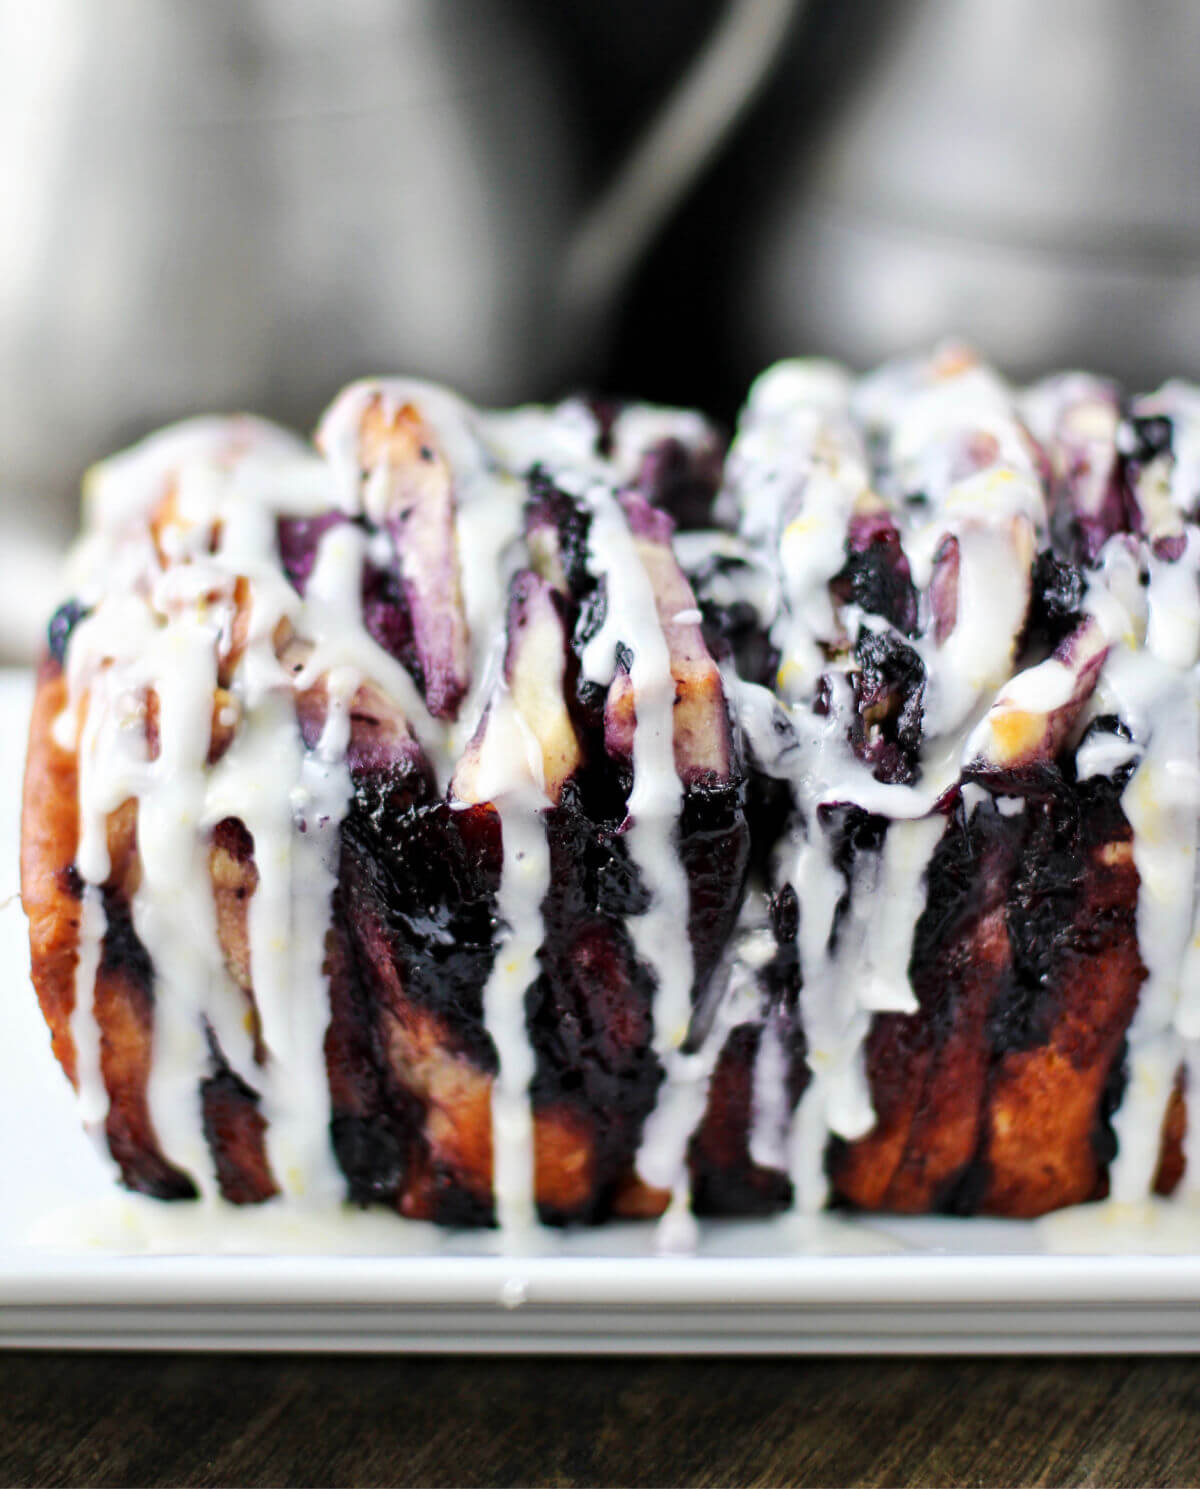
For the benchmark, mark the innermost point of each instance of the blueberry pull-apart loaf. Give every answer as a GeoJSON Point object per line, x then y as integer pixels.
{"type": "Point", "coordinates": [549, 816]}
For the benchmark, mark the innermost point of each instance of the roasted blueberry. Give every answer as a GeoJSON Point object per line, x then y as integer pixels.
{"type": "Point", "coordinates": [876, 576]}
{"type": "Point", "coordinates": [553, 510]}
{"type": "Point", "coordinates": [1152, 435]}
{"type": "Point", "coordinates": [682, 481]}
{"type": "Point", "coordinates": [889, 696]}
{"type": "Point", "coordinates": [1056, 601]}
{"type": "Point", "coordinates": [299, 538]}
{"type": "Point", "coordinates": [62, 623]}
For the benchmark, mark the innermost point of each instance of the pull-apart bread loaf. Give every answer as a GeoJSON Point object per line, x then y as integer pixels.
{"type": "Point", "coordinates": [551, 816]}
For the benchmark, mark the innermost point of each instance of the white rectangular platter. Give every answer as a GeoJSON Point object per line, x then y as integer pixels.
{"type": "Point", "coordinates": [82, 1266]}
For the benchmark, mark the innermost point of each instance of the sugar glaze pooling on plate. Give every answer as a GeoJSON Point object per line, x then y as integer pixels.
{"type": "Point", "coordinates": [934, 467]}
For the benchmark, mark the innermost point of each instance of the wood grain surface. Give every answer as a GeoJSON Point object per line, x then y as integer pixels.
{"type": "Point", "coordinates": [182, 1420]}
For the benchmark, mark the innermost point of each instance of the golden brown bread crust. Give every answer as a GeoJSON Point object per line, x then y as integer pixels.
{"type": "Point", "coordinates": [1045, 1103]}
{"type": "Point", "coordinates": [971, 1117]}
{"type": "Point", "coordinates": [927, 1070]}
{"type": "Point", "coordinates": [124, 1010]}
{"type": "Point", "coordinates": [1171, 1161]}
{"type": "Point", "coordinates": [51, 890]}
{"type": "Point", "coordinates": [234, 876]}
{"type": "Point", "coordinates": [236, 1132]}
{"type": "Point", "coordinates": [725, 1178]}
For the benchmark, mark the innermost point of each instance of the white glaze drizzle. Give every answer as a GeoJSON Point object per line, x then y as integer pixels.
{"type": "Point", "coordinates": [509, 774]}
{"type": "Point", "coordinates": [85, 1032]}
{"type": "Point", "coordinates": [660, 935]}
{"type": "Point", "coordinates": [523, 885]}
{"type": "Point", "coordinates": [944, 428]}
{"type": "Point", "coordinates": [1157, 693]}
{"type": "Point", "coordinates": [172, 907]}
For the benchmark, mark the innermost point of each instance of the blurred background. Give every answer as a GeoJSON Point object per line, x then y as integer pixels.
{"type": "Point", "coordinates": [244, 203]}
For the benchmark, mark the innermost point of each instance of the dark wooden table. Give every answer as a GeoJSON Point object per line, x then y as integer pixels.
{"type": "Point", "coordinates": [179, 1419]}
